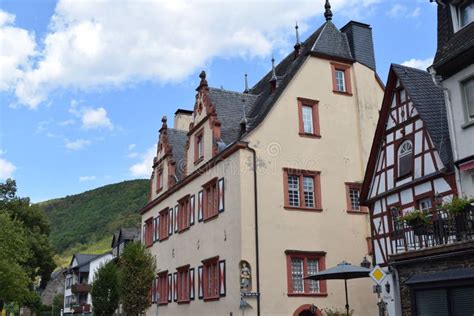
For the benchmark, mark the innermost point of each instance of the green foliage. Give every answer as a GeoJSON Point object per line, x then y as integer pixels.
{"type": "Point", "coordinates": [97, 247]}
{"type": "Point", "coordinates": [336, 312]}
{"type": "Point", "coordinates": [14, 253]}
{"type": "Point", "coordinates": [137, 268]}
{"type": "Point", "coordinates": [91, 216]}
{"type": "Point", "coordinates": [416, 218]}
{"type": "Point", "coordinates": [105, 290]}
{"type": "Point", "coordinates": [58, 302]}
{"type": "Point", "coordinates": [457, 205]}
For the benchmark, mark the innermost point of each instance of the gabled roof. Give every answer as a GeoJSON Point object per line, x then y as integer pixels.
{"type": "Point", "coordinates": [129, 233]}
{"type": "Point", "coordinates": [332, 42]}
{"type": "Point", "coordinates": [428, 99]}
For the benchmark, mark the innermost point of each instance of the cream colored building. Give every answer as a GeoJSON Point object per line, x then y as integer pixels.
{"type": "Point", "coordinates": [253, 191]}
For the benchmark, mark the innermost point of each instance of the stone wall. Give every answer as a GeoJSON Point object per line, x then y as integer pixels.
{"type": "Point", "coordinates": [54, 287]}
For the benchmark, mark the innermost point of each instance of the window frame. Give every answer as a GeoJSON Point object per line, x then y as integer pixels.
{"type": "Point", "coordinates": [347, 78]}
{"type": "Point", "coordinates": [210, 191]}
{"type": "Point", "coordinates": [314, 105]}
{"type": "Point", "coordinates": [349, 208]}
{"type": "Point", "coordinates": [162, 285]}
{"type": "Point", "coordinates": [199, 144]}
{"type": "Point", "coordinates": [320, 256]}
{"type": "Point", "coordinates": [469, 121]}
{"type": "Point", "coordinates": [164, 224]}
{"type": "Point", "coordinates": [159, 180]}
{"type": "Point", "coordinates": [183, 296]}
{"type": "Point", "coordinates": [211, 262]}
{"type": "Point", "coordinates": [412, 160]}
{"type": "Point", "coordinates": [149, 232]}
{"type": "Point", "coordinates": [316, 175]}
{"type": "Point", "coordinates": [183, 213]}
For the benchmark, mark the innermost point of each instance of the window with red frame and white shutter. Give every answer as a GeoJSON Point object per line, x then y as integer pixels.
{"type": "Point", "coordinates": [200, 206]}
{"type": "Point", "coordinates": [192, 204]}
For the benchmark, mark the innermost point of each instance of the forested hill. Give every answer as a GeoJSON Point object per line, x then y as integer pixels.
{"type": "Point", "coordinates": [93, 215]}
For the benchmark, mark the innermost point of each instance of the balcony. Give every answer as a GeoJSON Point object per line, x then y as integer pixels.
{"type": "Point", "coordinates": [80, 288]}
{"type": "Point", "coordinates": [439, 228]}
{"type": "Point", "coordinates": [83, 308]}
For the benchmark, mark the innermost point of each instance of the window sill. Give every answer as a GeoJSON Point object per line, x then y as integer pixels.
{"type": "Point", "coordinates": [306, 209]}
{"type": "Point", "coordinates": [211, 298]}
{"type": "Point", "coordinates": [184, 301]}
{"type": "Point", "coordinates": [307, 294]}
{"type": "Point", "coordinates": [183, 230]}
{"type": "Point", "coordinates": [162, 303]}
{"type": "Point", "coordinates": [159, 190]}
{"type": "Point", "coordinates": [357, 212]}
{"type": "Point", "coordinates": [149, 245]}
{"type": "Point", "coordinates": [210, 218]}
{"type": "Point", "coordinates": [342, 93]}
{"type": "Point", "coordinates": [403, 176]}
{"type": "Point", "coordinates": [199, 160]}
{"type": "Point", "coordinates": [309, 135]}
{"type": "Point", "coordinates": [163, 239]}
{"type": "Point", "coordinates": [467, 125]}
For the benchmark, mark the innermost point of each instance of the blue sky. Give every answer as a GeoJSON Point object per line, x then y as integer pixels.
{"type": "Point", "coordinates": [84, 84]}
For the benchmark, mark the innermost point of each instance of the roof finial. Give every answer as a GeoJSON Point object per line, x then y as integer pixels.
{"type": "Point", "coordinates": [297, 35]}
{"type": "Point", "coordinates": [164, 119]}
{"type": "Point", "coordinates": [274, 76]}
{"type": "Point", "coordinates": [246, 84]}
{"type": "Point", "coordinates": [327, 12]}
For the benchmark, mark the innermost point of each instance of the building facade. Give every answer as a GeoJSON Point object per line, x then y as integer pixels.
{"type": "Point", "coordinates": [454, 64]}
{"type": "Point", "coordinates": [78, 280]}
{"type": "Point", "coordinates": [252, 191]}
{"type": "Point", "coordinates": [122, 238]}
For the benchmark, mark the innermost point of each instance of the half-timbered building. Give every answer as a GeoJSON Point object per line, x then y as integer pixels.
{"type": "Point", "coordinates": [253, 191]}
{"type": "Point", "coordinates": [411, 169]}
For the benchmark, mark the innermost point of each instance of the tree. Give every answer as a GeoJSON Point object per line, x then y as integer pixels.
{"type": "Point", "coordinates": [137, 268]}
{"type": "Point", "coordinates": [105, 290]}
{"type": "Point", "coordinates": [36, 227]}
{"type": "Point", "coordinates": [14, 253]}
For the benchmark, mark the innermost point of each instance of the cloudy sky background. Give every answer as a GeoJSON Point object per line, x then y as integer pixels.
{"type": "Point", "coordinates": [83, 84]}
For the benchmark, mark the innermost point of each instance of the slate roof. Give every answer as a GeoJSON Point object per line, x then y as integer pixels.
{"type": "Point", "coordinates": [428, 100]}
{"type": "Point", "coordinates": [332, 42]}
{"type": "Point", "coordinates": [177, 138]}
{"type": "Point", "coordinates": [455, 49]}
{"type": "Point", "coordinates": [129, 233]}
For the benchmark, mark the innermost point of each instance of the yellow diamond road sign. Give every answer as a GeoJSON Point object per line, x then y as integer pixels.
{"type": "Point", "coordinates": [377, 274]}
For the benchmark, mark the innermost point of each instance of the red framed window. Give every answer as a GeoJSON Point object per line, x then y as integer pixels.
{"type": "Point", "coordinates": [211, 278]}
{"type": "Point", "coordinates": [183, 213]}
{"type": "Point", "coordinates": [183, 284]}
{"type": "Point", "coordinates": [149, 232]}
{"type": "Point", "coordinates": [301, 264]}
{"type": "Point", "coordinates": [199, 146]}
{"type": "Point", "coordinates": [210, 199]}
{"type": "Point", "coordinates": [162, 288]}
{"type": "Point", "coordinates": [341, 78]}
{"type": "Point", "coordinates": [302, 189]}
{"type": "Point", "coordinates": [353, 197]}
{"type": "Point", "coordinates": [308, 115]}
{"type": "Point", "coordinates": [159, 180]}
{"type": "Point", "coordinates": [164, 224]}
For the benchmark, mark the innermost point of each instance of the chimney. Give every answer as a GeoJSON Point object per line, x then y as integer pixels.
{"type": "Point", "coordinates": [182, 119]}
{"type": "Point", "coordinates": [359, 36]}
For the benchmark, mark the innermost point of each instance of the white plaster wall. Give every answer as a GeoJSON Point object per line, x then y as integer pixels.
{"type": "Point", "coordinates": [94, 265]}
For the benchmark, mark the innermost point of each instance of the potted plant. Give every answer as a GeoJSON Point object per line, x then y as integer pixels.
{"type": "Point", "coordinates": [458, 209]}
{"type": "Point", "coordinates": [418, 220]}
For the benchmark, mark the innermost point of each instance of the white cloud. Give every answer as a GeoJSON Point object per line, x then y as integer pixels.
{"type": "Point", "coordinates": [77, 144]}
{"type": "Point", "coordinates": [95, 118]}
{"type": "Point", "coordinates": [102, 44]}
{"type": "Point", "coordinates": [131, 146]}
{"type": "Point", "coordinates": [416, 12]}
{"type": "Point", "coordinates": [397, 10]}
{"type": "Point", "coordinates": [6, 167]}
{"type": "Point", "coordinates": [87, 178]}
{"type": "Point", "coordinates": [67, 122]}
{"type": "Point", "coordinates": [16, 49]}
{"type": "Point", "coordinates": [144, 166]}
{"type": "Point", "coordinates": [422, 64]}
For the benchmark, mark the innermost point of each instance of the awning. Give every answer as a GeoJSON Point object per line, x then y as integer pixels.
{"type": "Point", "coordinates": [447, 275]}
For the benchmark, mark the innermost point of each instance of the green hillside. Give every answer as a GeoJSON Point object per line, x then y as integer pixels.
{"type": "Point", "coordinates": [81, 221]}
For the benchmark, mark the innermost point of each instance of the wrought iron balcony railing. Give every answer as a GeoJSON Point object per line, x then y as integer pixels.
{"type": "Point", "coordinates": [440, 228]}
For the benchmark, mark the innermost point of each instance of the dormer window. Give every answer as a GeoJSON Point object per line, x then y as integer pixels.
{"type": "Point", "coordinates": [466, 13]}
{"type": "Point", "coordinates": [199, 146]}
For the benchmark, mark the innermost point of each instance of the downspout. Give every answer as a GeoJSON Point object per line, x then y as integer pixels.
{"type": "Point", "coordinates": [257, 261]}
{"type": "Point", "coordinates": [449, 110]}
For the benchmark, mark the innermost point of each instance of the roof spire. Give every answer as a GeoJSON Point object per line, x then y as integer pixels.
{"type": "Point", "coordinates": [274, 76]}
{"type": "Point", "coordinates": [297, 35]}
{"type": "Point", "coordinates": [246, 84]}
{"type": "Point", "coordinates": [327, 12]}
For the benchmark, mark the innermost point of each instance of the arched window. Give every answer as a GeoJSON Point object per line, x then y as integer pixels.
{"type": "Point", "coordinates": [405, 158]}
